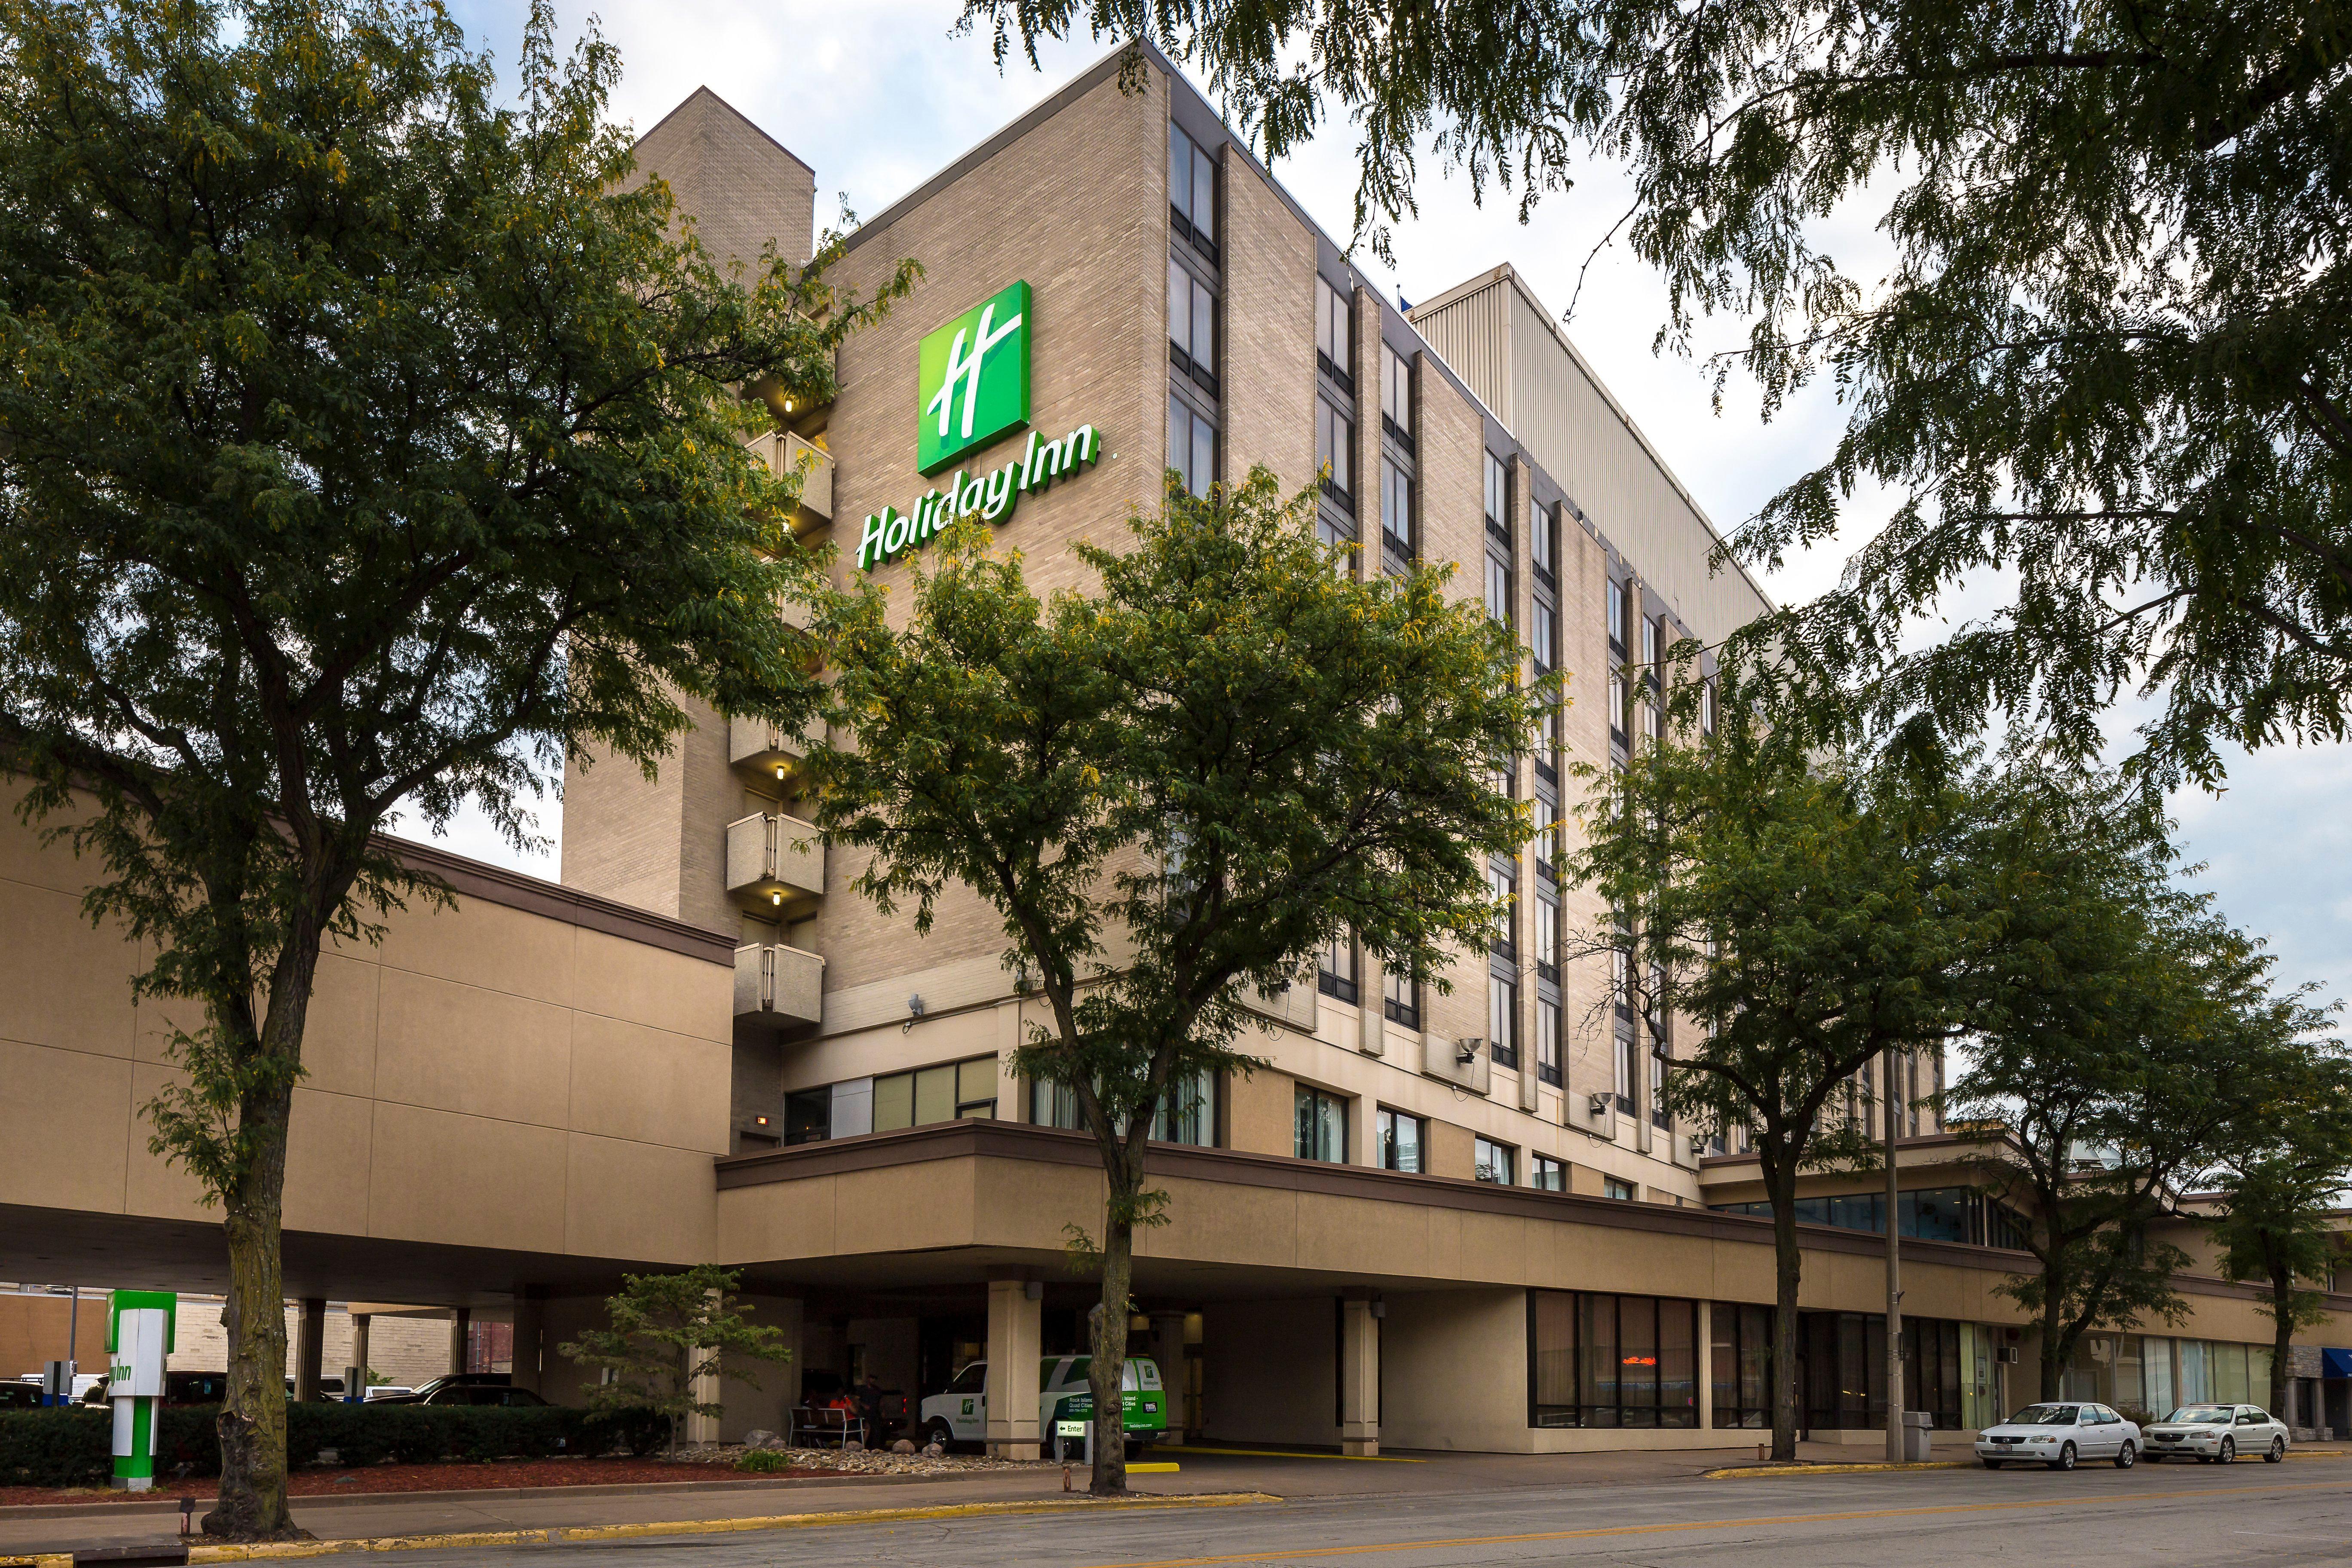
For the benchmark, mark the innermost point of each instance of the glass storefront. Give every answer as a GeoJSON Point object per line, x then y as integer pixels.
{"type": "Point", "coordinates": [2152, 1374]}
{"type": "Point", "coordinates": [1936, 1214]}
{"type": "Point", "coordinates": [1611, 1361]}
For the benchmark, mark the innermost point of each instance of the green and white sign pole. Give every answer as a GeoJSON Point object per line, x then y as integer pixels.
{"type": "Point", "coordinates": [139, 1334]}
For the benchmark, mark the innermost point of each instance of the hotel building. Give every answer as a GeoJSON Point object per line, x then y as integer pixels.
{"type": "Point", "coordinates": [1443, 1217]}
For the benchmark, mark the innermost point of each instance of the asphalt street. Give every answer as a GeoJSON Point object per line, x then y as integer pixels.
{"type": "Point", "coordinates": [2279, 1517]}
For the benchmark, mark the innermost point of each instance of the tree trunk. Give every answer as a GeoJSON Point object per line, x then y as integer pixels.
{"type": "Point", "coordinates": [2053, 1369]}
{"type": "Point", "coordinates": [252, 1424]}
{"type": "Point", "coordinates": [1107, 1370]}
{"type": "Point", "coordinates": [251, 1503]}
{"type": "Point", "coordinates": [1788, 1267]}
{"type": "Point", "coordinates": [2282, 1339]}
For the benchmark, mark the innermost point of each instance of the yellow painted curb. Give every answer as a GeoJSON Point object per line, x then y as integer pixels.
{"type": "Point", "coordinates": [561, 1534]}
{"type": "Point", "coordinates": [40, 1559]}
{"type": "Point", "coordinates": [1166, 1469]}
{"type": "Point", "coordinates": [1742, 1472]}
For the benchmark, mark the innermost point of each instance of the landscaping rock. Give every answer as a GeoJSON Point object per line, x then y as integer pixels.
{"type": "Point", "coordinates": [853, 1446]}
{"type": "Point", "coordinates": [903, 1446]}
{"type": "Point", "coordinates": [763, 1439]}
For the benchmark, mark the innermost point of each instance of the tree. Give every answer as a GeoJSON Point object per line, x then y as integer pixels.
{"type": "Point", "coordinates": [1805, 918]}
{"type": "Point", "coordinates": [2125, 1043]}
{"type": "Point", "coordinates": [668, 1333]}
{"type": "Point", "coordinates": [364, 445]}
{"type": "Point", "coordinates": [2097, 343]}
{"type": "Point", "coordinates": [2292, 1157]}
{"type": "Point", "coordinates": [1174, 790]}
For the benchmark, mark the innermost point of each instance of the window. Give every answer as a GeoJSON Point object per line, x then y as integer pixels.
{"type": "Point", "coordinates": [1740, 1360]}
{"type": "Point", "coordinates": [1396, 512]}
{"type": "Point", "coordinates": [1503, 1020]}
{"type": "Point", "coordinates": [1193, 193]}
{"type": "Point", "coordinates": [1540, 545]}
{"type": "Point", "coordinates": [1611, 1361]}
{"type": "Point", "coordinates": [1617, 593]}
{"type": "Point", "coordinates": [1498, 589]}
{"type": "Point", "coordinates": [1547, 937]}
{"type": "Point", "coordinates": [1403, 1138]}
{"type": "Point", "coordinates": [1191, 327]}
{"type": "Point", "coordinates": [1706, 709]}
{"type": "Point", "coordinates": [1548, 1042]}
{"type": "Point", "coordinates": [1659, 1057]}
{"type": "Point", "coordinates": [1399, 998]}
{"type": "Point", "coordinates": [1548, 747]}
{"type": "Point", "coordinates": [1336, 975]}
{"type": "Point", "coordinates": [1649, 706]}
{"type": "Point", "coordinates": [1188, 1112]}
{"type": "Point", "coordinates": [1543, 640]}
{"type": "Point", "coordinates": [1191, 446]}
{"type": "Point", "coordinates": [808, 1115]}
{"type": "Point", "coordinates": [1334, 444]}
{"type": "Point", "coordinates": [1322, 1126]}
{"type": "Point", "coordinates": [942, 1093]}
{"type": "Point", "coordinates": [1494, 1160]}
{"type": "Point", "coordinates": [1547, 1173]}
{"type": "Point", "coordinates": [1547, 825]}
{"type": "Point", "coordinates": [1396, 396]}
{"type": "Point", "coordinates": [1649, 642]}
{"type": "Point", "coordinates": [1625, 1085]}
{"type": "Point", "coordinates": [1335, 354]}
{"type": "Point", "coordinates": [1502, 884]}
{"type": "Point", "coordinates": [1498, 499]}
{"type": "Point", "coordinates": [1616, 695]}
{"type": "Point", "coordinates": [1611, 1187]}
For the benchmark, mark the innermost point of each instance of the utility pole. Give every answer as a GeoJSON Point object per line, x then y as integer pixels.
{"type": "Point", "coordinates": [1894, 1272]}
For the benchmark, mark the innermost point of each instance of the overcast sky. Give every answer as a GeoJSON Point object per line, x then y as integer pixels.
{"type": "Point", "coordinates": [878, 95]}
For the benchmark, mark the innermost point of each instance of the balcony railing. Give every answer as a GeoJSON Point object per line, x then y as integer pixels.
{"type": "Point", "coordinates": [771, 754]}
{"type": "Point", "coordinates": [783, 452]}
{"type": "Point", "coordinates": [774, 863]}
{"type": "Point", "coordinates": [778, 987]}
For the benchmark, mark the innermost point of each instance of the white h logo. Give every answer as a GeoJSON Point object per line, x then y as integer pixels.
{"type": "Point", "coordinates": [967, 370]}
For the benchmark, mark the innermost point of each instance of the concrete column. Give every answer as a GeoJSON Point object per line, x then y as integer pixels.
{"type": "Point", "coordinates": [1372, 1002]}
{"type": "Point", "coordinates": [1015, 1344]}
{"type": "Point", "coordinates": [309, 1348]}
{"type": "Point", "coordinates": [461, 1325]}
{"type": "Point", "coordinates": [1168, 1350]}
{"type": "Point", "coordinates": [360, 1322]}
{"type": "Point", "coordinates": [530, 1330]}
{"type": "Point", "coordinates": [1360, 1378]}
{"type": "Point", "coordinates": [1705, 1377]}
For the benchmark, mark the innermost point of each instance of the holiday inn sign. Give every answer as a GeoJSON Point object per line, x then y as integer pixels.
{"type": "Point", "coordinates": [972, 388]}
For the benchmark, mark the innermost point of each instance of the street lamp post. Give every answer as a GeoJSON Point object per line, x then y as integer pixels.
{"type": "Point", "coordinates": [1894, 1275]}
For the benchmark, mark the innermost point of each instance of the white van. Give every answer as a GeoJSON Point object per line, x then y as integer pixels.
{"type": "Point", "coordinates": [961, 1414]}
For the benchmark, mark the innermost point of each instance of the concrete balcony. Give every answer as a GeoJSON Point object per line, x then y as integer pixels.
{"type": "Point", "coordinates": [784, 453]}
{"type": "Point", "coordinates": [775, 864]}
{"type": "Point", "coordinates": [779, 988]}
{"type": "Point", "coordinates": [765, 752]}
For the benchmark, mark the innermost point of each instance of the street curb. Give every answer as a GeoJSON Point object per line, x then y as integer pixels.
{"type": "Point", "coordinates": [560, 1535]}
{"type": "Point", "coordinates": [168, 1503]}
{"type": "Point", "coordinates": [1742, 1472]}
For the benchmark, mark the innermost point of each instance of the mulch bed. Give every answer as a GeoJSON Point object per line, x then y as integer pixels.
{"type": "Point", "coordinates": [443, 1478]}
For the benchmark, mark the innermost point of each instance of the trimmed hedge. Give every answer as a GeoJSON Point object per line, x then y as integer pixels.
{"type": "Point", "coordinates": [74, 1446]}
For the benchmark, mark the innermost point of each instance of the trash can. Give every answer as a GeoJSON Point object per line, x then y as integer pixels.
{"type": "Point", "coordinates": [1917, 1427]}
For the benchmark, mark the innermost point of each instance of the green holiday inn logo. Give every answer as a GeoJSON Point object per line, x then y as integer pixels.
{"type": "Point", "coordinates": [973, 379]}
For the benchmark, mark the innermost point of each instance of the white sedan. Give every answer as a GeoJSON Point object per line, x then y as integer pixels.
{"type": "Point", "coordinates": [2059, 1435]}
{"type": "Point", "coordinates": [2217, 1434]}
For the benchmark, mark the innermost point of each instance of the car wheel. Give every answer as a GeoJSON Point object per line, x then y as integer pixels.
{"type": "Point", "coordinates": [942, 1434]}
{"type": "Point", "coordinates": [1992, 1463]}
{"type": "Point", "coordinates": [2229, 1454]}
{"type": "Point", "coordinates": [2277, 1452]}
{"type": "Point", "coordinates": [2066, 1459]}
{"type": "Point", "coordinates": [2127, 1456]}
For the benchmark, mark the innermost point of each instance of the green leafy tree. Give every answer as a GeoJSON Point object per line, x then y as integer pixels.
{"type": "Point", "coordinates": [1174, 789]}
{"type": "Point", "coordinates": [1804, 918]}
{"type": "Point", "coordinates": [364, 447]}
{"type": "Point", "coordinates": [669, 1334]}
{"type": "Point", "coordinates": [2098, 343]}
{"type": "Point", "coordinates": [2291, 1159]}
{"type": "Point", "coordinates": [2127, 1040]}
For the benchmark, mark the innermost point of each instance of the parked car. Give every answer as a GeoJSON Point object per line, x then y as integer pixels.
{"type": "Point", "coordinates": [20, 1395]}
{"type": "Point", "coordinates": [2217, 1434]}
{"type": "Point", "coordinates": [389, 1391]}
{"type": "Point", "coordinates": [2058, 1434]}
{"type": "Point", "coordinates": [195, 1388]}
{"type": "Point", "coordinates": [424, 1393]}
{"type": "Point", "coordinates": [961, 1414]}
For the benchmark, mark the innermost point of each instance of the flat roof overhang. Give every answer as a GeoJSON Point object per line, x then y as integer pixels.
{"type": "Point", "coordinates": [955, 1202]}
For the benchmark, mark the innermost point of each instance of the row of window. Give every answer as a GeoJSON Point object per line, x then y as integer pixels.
{"type": "Point", "coordinates": [1337, 977]}
{"type": "Point", "coordinates": [890, 1102]}
{"type": "Point", "coordinates": [1401, 1142]}
{"type": "Point", "coordinates": [1936, 1214]}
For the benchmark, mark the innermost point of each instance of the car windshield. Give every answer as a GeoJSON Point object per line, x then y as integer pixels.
{"type": "Point", "coordinates": [2205, 1415]}
{"type": "Point", "coordinates": [2044, 1415]}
